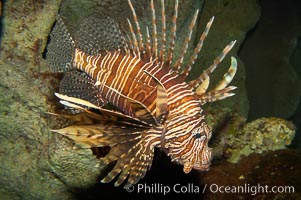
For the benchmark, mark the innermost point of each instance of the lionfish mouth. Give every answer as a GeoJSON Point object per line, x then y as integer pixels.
{"type": "Point", "coordinates": [203, 167]}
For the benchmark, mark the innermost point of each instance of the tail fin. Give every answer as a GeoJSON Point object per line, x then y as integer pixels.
{"type": "Point", "coordinates": [60, 48]}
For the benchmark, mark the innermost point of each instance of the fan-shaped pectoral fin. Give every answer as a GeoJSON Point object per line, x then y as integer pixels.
{"type": "Point", "coordinates": [104, 128]}
{"type": "Point", "coordinates": [161, 101]}
{"type": "Point", "coordinates": [100, 134]}
{"type": "Point", "coordinates": [132, 163]}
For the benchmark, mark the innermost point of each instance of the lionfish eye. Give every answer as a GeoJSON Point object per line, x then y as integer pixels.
{"type": "Point", "coordinates": [197, 135]}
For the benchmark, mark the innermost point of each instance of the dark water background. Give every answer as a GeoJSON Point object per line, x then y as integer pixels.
{"type": "Point", "coordinates": [269, 48]}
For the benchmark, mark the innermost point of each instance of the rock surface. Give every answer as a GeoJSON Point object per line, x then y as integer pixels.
{"type": "Point", "coordinates": [258, 136]}
{"type": "Point", "coordinates": [32, 158]}
{"type": "Point", "coordinates": [274, 86]}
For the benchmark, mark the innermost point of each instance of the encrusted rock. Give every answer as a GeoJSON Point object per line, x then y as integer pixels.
{"type": "Point", "coordinates": [258, 136]}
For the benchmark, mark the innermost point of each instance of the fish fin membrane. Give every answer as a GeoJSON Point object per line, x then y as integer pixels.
{"type": "Point", "coordinates": [98, 34]}
{"type": "Point", "coordinates": [60, 48]}
{"type": "Point", "coordinates": [127, 147]}
{"type": "Point", "coordinates": [93, 35]}
{"type": "Point", "coordinates": [100, 134]}
{"type": "Point", "coordinates": [79, 85]}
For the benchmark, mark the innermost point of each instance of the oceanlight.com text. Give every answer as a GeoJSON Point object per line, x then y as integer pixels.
{"type": "Point", "coordinates": [191, 188]}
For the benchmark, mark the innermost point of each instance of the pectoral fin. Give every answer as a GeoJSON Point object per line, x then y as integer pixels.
{"type": "Point", "coordinates": [161, 101]}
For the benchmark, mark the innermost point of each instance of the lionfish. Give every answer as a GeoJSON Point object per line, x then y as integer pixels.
{"type": "Point", "coordinates": [130, 94]}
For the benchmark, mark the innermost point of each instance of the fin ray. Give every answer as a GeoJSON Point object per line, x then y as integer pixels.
{"type": "Point", "coordinates": [228, 76]}
{"type": "Point", "coordinates": [72, 101]}
{"type": "Point", "coordinates": [195, 83]}
{"type": "Point", "coordinates": [197, 49]}
{"type": "Point", "coordinates": [179, 62]}
{"type": "Point", "coordinates": [215, 95]}
{"type": "Point", "coordinates": [132, 164]}
{"type": "Point", "coordinates": [203, 86]}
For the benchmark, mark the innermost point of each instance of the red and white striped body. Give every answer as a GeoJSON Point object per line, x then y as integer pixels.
{"type": "Point", "coordinates": [121, 76]}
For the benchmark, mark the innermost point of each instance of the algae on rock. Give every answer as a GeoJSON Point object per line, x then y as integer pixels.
{"type": "Point", "coordinates": [26, 143]}
{"type": "Point", "coordinates": [258, 136]}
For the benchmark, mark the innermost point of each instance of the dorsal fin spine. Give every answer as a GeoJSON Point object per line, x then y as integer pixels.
{"type": "Point", "coordinates": [163, 42]}
{"type": "Point", "coordinates": [173, 33]}
{"type": "Point", "coordinates": [155, 40]}
{"type": "Point", "coordinates": [179, 62]}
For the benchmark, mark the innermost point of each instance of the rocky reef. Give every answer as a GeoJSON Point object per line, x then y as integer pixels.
{"type": "Point", "coordinates": [32, 158]}
{"type": "Point", "coordinates": [38, 164]}
{"type": "Point", "coordinates": [258, 136]}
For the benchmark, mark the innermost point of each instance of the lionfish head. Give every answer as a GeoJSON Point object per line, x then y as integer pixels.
{"type": "Point", "coordinates": [200, 155]}
{"type": "Point", "coordinates": [191, 149]}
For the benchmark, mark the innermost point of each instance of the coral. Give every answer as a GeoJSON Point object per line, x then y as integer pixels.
{"type": "Point", "coordinates": [258, 136]}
